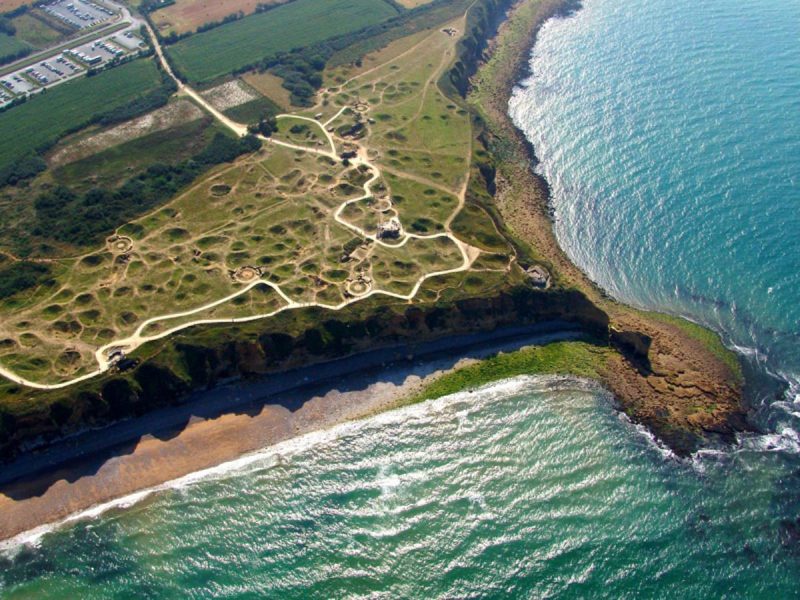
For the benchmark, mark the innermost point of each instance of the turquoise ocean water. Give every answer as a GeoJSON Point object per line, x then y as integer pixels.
{"type": "Point", "coordinates": [670, 132]}
{"type": "Point", "coordinates": [670, 135]}
{"type": "Point", "coordinates": [527, 488]}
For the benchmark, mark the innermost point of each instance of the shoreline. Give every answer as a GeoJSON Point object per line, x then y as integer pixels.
{"type": "Point", "coordinates": [753, 374]}
{"type": "Point", "coordinates": [679, 380]}
{"type": "Point", "coordinates": [74, 476]}
{"type": "Point", "coordinates": [221, 424]}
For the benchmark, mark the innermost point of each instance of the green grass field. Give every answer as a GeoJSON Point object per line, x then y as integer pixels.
{"type": "Point", "coordinates": [205, 56]}
{"type": "Point", "coordinates": [35, 31]}
{"type": "Point", "coordinates": [9, 46]}
{"type": "Point", "coordinates": [51, 114]}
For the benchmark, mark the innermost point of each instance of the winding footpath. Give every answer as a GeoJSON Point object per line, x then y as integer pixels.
{"type": "Point", "coordinates": [131, 343]}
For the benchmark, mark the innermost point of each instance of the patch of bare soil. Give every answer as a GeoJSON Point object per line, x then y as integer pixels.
{"type": "Point", "coordinates": [230, 94]}
{"type": "Point", "coordinates": [175, 113]}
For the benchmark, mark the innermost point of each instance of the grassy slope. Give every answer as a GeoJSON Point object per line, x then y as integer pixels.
{"type": "Point", "coordinates": [559, 358]}
{"type": "Point", "coordinates": [65, 107]}
{"type": "Point", "coordinates": [208, 55]}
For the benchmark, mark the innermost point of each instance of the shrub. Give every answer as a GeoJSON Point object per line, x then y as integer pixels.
{"type": "Point", "coordinates": [21, 276]}
{"type": "Point", "coordinates": [66, 216]}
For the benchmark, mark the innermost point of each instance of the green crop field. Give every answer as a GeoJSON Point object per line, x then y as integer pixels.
{"type": "Point", "coordinates": [59, 110]}
{"type": "Point", "coordinates": [205, 56]}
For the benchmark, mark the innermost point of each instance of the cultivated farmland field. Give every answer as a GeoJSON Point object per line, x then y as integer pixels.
{"type": "Point", "coordinates": [65, 107]}
{"type": "Point", "coordinates": [205, 56]}
{"type": "Point", "coordinates": [188, 15]}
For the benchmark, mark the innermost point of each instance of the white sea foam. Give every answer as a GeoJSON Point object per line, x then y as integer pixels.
{"type": "Point", "coordinates": [277, 453]}
{"type": "Point", "coordinates": [647, 435]}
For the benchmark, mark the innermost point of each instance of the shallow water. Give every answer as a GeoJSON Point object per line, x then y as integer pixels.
{"type": "Point", "coordinates": [671, 134]}
{"type": "Point", "coordinates": [532, 487]}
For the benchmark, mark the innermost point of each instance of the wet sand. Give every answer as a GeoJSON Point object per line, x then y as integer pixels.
{"type": "Point", "coordinates": [226, 423]}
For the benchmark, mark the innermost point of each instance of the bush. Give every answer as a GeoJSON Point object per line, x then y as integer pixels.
{"type": "Point", "coordinates": [11, 57]}
{"type": "Point", "coordinates": [148, 6]}
{"type": "Point", "coordinates": [266, 126]}
{"type": "Point", "coordinates": [27, 167]}
{"type": "Point", "coordinates": [7, 27]}
{"type": "Point", "coordinates": [66, 216]}
{"type": "Point", "coordinates": [21, 276]}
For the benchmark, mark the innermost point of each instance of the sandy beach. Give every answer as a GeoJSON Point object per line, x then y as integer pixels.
{"type": "Point", "coordinates": [226, 423]}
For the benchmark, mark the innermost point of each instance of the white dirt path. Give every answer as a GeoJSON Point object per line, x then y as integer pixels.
{"type": "Point", "coordinates": [131, 343]}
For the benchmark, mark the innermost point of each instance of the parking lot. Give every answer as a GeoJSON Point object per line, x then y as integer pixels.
{"type": "Point", "coordinates": [37, 76]}
{"type": "Point", "coordinates": [78, 13]}
{"type": "Point", "coordinates": [97, 52]}
{"type": "Point", "coordinates": [128, 40]}
{"type": "Point", "coordinates": [68, 64]}
{"type": "Point", "coordinates": [16, 83]}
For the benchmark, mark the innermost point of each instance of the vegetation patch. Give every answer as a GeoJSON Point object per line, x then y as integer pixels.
{"type": "Point", "coordinates": [20, 276]}
{"type": "Point", "coordinates": [173, 115]}
{"type": "Point", "coordinates": [38, 123]}
{"type": "Point", "coordinates": [35, 28]}
{"type": "Point", "coordinates": [579, 359]}
{"type": "Point", "coordinates": [12, 48]}
{"type": "Point", "coordinates": [252, 111]}
{"type": "Point", "coordinates": [83, 219]}
{"type": "Point", "coordinates": [225, 49]}
{"type": "Point", "coordinates": [270, 86]}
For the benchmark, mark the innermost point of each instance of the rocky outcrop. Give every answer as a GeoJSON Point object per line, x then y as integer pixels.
{"type": "Point", "coordinates": [681, 383]}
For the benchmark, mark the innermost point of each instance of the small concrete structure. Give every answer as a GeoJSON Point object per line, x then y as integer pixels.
{"type": "Point", "coordinates": [119, 244]}
{"type": "Point", "coordinates": [115, 354]}
{"type": "Point", "coordinates": [359, 286]}
{"type": "Point", "coordinates": [246, 274]}
{"type": "Point", "coordinates": [390, 229]}
{"type": "Point", "coordinates": [539, 276]}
